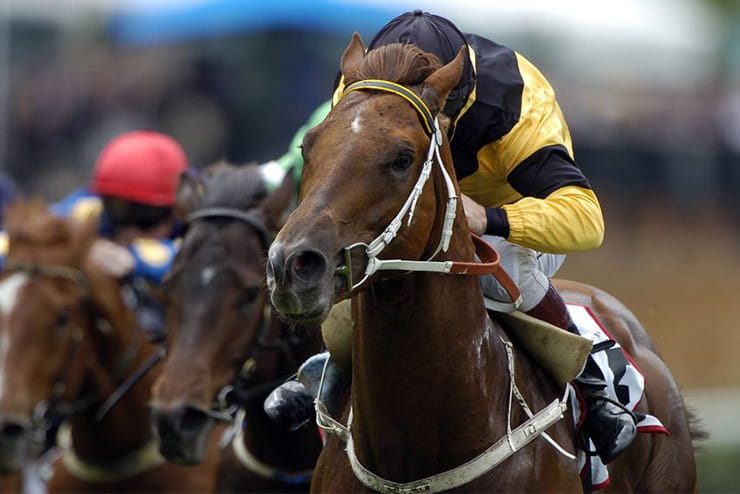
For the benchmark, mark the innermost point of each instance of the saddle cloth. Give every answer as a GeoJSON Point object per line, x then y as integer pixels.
{"type": "Point", "coordinates": [625, 384]}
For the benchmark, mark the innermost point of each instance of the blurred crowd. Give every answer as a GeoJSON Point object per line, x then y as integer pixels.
{"type": "Point", "coordinates": [241, 98]}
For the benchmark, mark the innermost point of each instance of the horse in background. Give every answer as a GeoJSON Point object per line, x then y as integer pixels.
{"type": "Point", "coordinates": [68, 344]}
{"type": "Point", "coordinates": [433, 376]}
{"type": "Point", "coordinates": [226, 349]}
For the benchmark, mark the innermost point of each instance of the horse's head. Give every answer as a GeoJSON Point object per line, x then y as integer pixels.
{"type": "Point", "coordinates": [361, 167]}
{"type": "Point", "coordinates": [216, 301]}
{"type": "Point", "coordinates": [53, 306]}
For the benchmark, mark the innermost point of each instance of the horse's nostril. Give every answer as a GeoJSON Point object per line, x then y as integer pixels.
{"type": "Point", "coordinates": [11, 431]}
{"type": "Point", "coordinates": [181, 422]}
{"type": "Point", "coordinates": [307, 267]}
{"type": "Point", "coordinates": [193, 420]}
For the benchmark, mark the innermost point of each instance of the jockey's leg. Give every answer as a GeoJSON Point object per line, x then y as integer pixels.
{"type": "Point", "coordinates": [611, 427]}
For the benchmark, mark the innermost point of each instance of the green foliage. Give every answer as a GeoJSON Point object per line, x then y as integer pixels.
{"type": "Point", "coordinates": [718, 469]}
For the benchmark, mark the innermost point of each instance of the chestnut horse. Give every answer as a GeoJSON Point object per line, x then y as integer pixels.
{"type": "Point", "coordinates": [68, 343]}
{"type": "Point", "coordinates": [431, 396]}
{"type": "Point", "coordinates": [225, 348]}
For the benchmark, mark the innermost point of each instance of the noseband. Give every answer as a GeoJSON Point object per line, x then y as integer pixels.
{"type": "Point", "coordinates": [52, 406]}
{"type": "Point", "coordinates": [489, 256]}
{"type": "Point", "coordinates": [242, 389]}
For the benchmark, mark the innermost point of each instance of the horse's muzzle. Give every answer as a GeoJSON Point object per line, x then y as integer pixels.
{"type": "Point", "coordinates": [301, 283]}
{"type": "Point", "coordinates": [16, 446]}
{"type": "Point", "coordinates": [183, 433]}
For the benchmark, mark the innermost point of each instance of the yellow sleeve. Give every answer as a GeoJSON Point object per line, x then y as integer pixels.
{"type": "Point", "coordinates": [568, 220]}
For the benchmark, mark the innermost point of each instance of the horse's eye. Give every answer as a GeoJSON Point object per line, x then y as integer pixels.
{"type": "Point", "coordinates": [62, 319]}
{"type": "Point", "coordinates": [403, 162]}
{"type": "Point", "coordinates": [248, 297]}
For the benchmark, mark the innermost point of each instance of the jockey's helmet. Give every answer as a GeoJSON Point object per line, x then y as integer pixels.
{"type": "Point", "coordinates": [142, 167]}
{"type": "Point", "coordinates": [433, 34]}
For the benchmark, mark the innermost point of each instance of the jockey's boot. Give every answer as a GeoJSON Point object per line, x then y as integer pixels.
{"type": "Point", "coordinates": [609, 424]}
{"type": "Point", "coordinates": [291, 405]}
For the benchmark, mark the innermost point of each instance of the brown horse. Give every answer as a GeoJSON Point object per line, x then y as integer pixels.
{"type": "Point", "coordinates": [431, 388]}
{"type": "Point", "coordinates": [68, 342]}
{"type": "Point", "coordinates": [225, 349]}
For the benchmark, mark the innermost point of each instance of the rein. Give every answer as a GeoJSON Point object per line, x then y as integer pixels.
{"type": "Point", "coordinates": [515, 439]}
{"type": "Point", "coordinates": [491, 264]}
{"type": "Point", "coordinates": [228, 406]}
{"type": "Point", "coordinates": [232, 396]}
{"type": "Point", "coordinates": [43, 410]}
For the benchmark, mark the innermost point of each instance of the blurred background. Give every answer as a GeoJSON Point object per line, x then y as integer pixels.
{"type": "Point", "coordinates": [651, 90]}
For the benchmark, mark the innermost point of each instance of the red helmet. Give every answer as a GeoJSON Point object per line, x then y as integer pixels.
{"type": "Point", "coordinates": [141, 166]}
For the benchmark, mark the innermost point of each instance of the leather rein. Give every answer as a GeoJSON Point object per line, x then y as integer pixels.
{"type": "Point", "coordinates": [514, 439]}
{"type": "Point", "coordinates": [53, 405]}
{"type": "Point", "coordinates": [230, 398]}
{"type": "Point", "coordinates": [228, 406]}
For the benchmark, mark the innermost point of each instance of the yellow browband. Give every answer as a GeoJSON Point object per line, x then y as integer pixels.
{"type": "Point", "coordinates": [402, 91]}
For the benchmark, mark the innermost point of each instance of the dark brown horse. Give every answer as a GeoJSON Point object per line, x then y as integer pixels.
{"type": "Point", "coordinates": [225, 348]}
{"type": "Point", "coordinates": [431, 381]}
{"type": "Point", "coordinates": [68, 341]}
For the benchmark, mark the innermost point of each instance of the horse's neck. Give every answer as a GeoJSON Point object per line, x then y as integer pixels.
{"type": "Point", "coordinates": [126, 426]}
{"type": "Point", "coordinates": [271, 444]}
{"type": "Point", "coordinates": [425, 368]}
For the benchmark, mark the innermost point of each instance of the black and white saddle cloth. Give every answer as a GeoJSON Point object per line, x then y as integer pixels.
{"type": "Point", "coordinates": [625, 384]}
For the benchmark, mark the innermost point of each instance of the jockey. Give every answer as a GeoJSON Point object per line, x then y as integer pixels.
{"type": "Point", "coordinates": [522, 191]}
{"type": "Point", "coordinates": [132, 193]}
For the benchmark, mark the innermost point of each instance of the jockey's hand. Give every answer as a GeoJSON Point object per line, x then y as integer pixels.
{"type": "Point", "coordinates": [113, 259]}
{"type": "Point", "coordinates": [475, 214]}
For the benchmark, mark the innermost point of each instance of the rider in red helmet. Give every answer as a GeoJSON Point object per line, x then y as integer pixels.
{"type": "Point", "coordinates": [136, 175]}
{"type": "Point", "coordinates": [133, 192]}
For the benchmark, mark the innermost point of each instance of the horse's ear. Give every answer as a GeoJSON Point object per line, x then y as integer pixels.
{"type": "Point", "coordinates": [438, 85]}
{"type": "Point", "coordinates": [277, 203]}
{"type": "Point", "coordinates": [189, 194]}
{"type": "Point", "coordinates": [352, 57]}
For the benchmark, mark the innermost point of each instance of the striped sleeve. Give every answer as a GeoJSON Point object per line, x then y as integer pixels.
{"type": "Point", "coordinates": [567, 220]}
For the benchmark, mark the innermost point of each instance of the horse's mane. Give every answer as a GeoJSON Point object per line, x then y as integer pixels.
{"type": "Point", "coordinates": [403, 63]}
{"type": "Point", "coordinates": [232, 186]}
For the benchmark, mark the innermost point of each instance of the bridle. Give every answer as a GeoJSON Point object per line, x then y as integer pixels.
{"type": "Point", "coordinates": [231, 399]}
{"type": "Point", "coordinates": [243, 388]}
{"type": "Point", "coordinates": [514, 439]}
{"type": "Point", "coordinates": [489, 256]}
{"type": "Point", "coordinates": [53, 406]}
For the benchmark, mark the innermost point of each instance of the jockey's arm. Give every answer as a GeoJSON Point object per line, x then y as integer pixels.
{"type": "Point", "coordinates": [547, 203]}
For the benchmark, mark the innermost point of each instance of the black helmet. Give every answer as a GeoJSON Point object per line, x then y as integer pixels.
{"type": "Point", "coordinates": [433, 34]}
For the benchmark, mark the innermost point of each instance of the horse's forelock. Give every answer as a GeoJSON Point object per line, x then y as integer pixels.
{"type": "Point", "coordinates": [232, 186]}
{"type": "Point", "coordinates": [397, 62]}
{"type": "Point", "coordinates": [32, 223]}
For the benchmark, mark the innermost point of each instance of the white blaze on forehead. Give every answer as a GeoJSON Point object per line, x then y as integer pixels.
{"type": "Point", "coordinates": [357, 124]}
{"type": "Point", "coordinates": [207, 274]}
{"type": "Point", "coordinates": [9, 290]}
